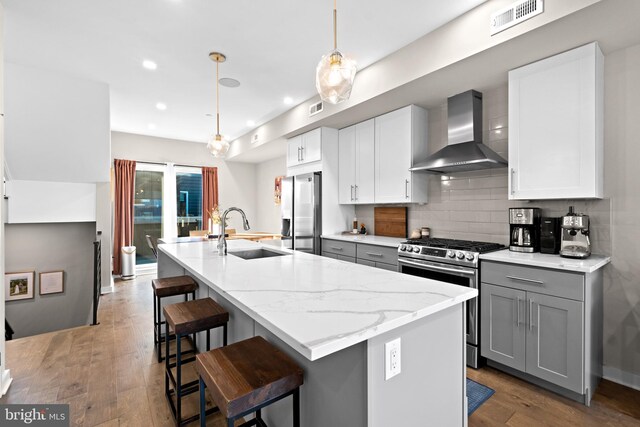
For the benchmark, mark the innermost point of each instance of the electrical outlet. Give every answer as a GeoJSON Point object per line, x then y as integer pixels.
{"type": "Point", "coordinates": [392, 359]}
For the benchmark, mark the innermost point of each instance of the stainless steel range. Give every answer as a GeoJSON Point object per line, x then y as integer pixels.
{"type": "Point", "coordinates": [451, 261]}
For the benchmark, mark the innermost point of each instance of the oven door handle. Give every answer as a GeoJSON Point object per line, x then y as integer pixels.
{"type": "Point", "coordinates": [461, 271]}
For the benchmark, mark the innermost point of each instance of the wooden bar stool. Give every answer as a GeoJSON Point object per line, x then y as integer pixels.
{"type": "Point", "coordinates": [168, 287]}
{"type": "Point", "coordinates": [247, 376]}
{"type": "Point", "coordinates": [186, 318]}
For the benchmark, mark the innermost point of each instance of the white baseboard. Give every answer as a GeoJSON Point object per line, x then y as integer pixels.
{"type": "Point", "coordinates": [5, 381]}
{"type": "Point", "coordinates": [108, 289]}
{"type": "Point", "coordinates": [621, 377]}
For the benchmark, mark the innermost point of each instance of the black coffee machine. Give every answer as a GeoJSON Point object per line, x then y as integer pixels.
{"type": "Point", "coordinates": [524, 233]}
{"type": "Point", "coordinates": [550, 235]}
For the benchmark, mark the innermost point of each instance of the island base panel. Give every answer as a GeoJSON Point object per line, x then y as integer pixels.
{"type": "Point", "coordinates": [431, 388]}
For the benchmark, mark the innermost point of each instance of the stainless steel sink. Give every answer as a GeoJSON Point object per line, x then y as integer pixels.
{"type": "Point", "coordinates": [256, 253]}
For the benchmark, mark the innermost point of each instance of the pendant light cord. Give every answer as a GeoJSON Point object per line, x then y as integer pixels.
{"type": "Point", "coordinates": [217, 98]}
{"type": "Point", "coordinates": [335, 25]}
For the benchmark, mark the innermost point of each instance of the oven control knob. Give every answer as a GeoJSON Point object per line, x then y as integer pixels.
{"type": "Point", "coordinates": [451, 254]}
{"type": "Point", "coordinates": [403, 247]}
{"type": "Point", "coordinates": [416, 249]}
{"type": "Point", "coordinates": [460, 255]}
{"type": "Point", "coordinates": [469, 256]}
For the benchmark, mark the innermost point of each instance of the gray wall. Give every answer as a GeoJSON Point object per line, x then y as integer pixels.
{"type": "Point", "coordinates": [50, 247]}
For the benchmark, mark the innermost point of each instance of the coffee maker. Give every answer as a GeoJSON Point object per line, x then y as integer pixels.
{"type": "Point", "coordinates": [575, 241]}
{"type": "Point", "coordinates": [524, 229]}
{"type": "Point", "coordinates": [550, 235]}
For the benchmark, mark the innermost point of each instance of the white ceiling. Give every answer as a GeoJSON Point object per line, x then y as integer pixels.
{"type": "Point", "coordinates": [272, 48]}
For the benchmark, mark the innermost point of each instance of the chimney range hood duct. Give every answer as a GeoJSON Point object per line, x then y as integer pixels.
{"type": "Point", "coordinates": [465, 150]}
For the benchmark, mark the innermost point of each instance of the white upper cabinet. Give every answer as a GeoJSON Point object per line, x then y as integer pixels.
{"type": "Point", "coordinates": [356, 163]}
{"type": "Point", "coordinates": [305, 148]}
{"type": "Point", "coordinates": [556, 127]}
{"type": "Point", "coordinates": [400, 140]}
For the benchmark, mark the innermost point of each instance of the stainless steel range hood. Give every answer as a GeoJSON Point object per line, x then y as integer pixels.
{"type": "Point", "coordinates": [465, 150]}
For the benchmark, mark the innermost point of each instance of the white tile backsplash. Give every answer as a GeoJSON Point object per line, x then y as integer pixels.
{"type": "Point", "coordinates": [474, 205]}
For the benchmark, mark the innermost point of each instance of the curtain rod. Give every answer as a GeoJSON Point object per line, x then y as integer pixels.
{"type": "Point", "coordinates": [175, 164]}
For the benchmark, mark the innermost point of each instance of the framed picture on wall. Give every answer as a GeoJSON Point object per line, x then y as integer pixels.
{"type": "Point", "coordinates": [19, 285]}
{"type": "Point", "coordinates": [51, 282]}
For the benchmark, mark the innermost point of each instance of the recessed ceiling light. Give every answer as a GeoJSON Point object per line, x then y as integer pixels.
{"type": "Point", "coordinates": [228, 82]}
{"type": "Point", "coordinates": [161, 106]}
{"type": "Point", "coordinates": [149, 65]}
{"type": "Point", "coordinates": [152, 126]}
{"type": "Point", "coordinates": [251, 123]}
{"type": "Point", "coordinates": [288, 100]}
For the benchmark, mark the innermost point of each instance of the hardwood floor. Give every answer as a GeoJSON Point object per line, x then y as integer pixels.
{"type": "Point", "coordinates": [109, 376]}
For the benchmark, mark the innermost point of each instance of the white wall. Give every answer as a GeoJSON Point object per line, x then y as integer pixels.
{"type": "Point", "coordinates": [236, 181]}
{"type": "Point", "coordinates": [57, 126]}
{"type": "Point", "coordinates": [5, 378]}
{"type": "Point", "coordinates": [268, 213]}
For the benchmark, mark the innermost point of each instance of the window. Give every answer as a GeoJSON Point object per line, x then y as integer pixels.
{"type": "Point", "coordinates": [168, 203]}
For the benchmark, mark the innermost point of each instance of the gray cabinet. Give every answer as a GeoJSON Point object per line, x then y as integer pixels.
{"type": "Point", "coordinates": [361, 253]}
{"type": "Point", "coordinates": [544, 323]}
{"type": "Point", "coordinates": [502, 325]}
{"type": "Point", "coordinates": [555, 340]}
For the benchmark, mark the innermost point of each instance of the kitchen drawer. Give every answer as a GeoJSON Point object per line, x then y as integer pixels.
{"type": "Point", "coordinates": [346, 258]}
{"type": "Point", "coordinates": [378, 254]}
{"type": "Point", "coordinates": [390, 267]}
{"type": "Point", "coordinates": [329, 255]}
{"type": "Point", "coordinates": [540, 280]}
{"type": "Point", "coordinates": [366, 262]}
{"type": "Point", "coordinates": [339, 247]}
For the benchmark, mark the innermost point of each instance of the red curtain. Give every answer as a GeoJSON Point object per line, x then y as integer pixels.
{"type": "Point", "coordinates": [209, 193]}
{"type": "Point", "coordinates": [125, 174]}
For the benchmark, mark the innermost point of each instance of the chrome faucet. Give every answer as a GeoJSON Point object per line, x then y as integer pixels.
{"type": "Point", "coordinates": [222, 242]}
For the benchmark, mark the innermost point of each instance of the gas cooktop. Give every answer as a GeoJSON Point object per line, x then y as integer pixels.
{"type": "Point", "coordinates": [449, 251]}
{"type": "Point", "coordinates": [459, 245]}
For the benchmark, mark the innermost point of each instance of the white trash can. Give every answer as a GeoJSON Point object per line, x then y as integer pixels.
{"type": "Point", "coordinates": [128, 262]}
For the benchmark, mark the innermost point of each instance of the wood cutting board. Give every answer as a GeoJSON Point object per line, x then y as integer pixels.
{"type": "Point", "coordinates": [390, 222]}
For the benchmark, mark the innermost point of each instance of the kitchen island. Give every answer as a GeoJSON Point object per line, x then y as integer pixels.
{"type": "Point", "coordinates": [334, 318]}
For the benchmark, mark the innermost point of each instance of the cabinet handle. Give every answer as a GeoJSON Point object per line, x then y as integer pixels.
{"type": "Point", "coordinates": [302, 154]}
{"type": "Point", "coordinates": [352, 193]}
{"type": "Point", "coordinates": [518, 312]}
{"type": "Point", "coordinates": [522, 279]}
{"type": "Point", "coordinates": [356, 187]}
{"type": "Point", "coordinates": [406, 188]}
{"type": "Point", "coordinates": [513, 181]}
{"type": "Point", "coordinates": [374, 254]}
{"type": "Point", "coordinates": [530, 314]}
{"type": "Point", "coordinates": [336, 248]}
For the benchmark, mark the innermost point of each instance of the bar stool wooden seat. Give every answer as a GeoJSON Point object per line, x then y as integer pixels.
{"type": "Point", "coordinates": [168, 287]}
{"type": "Point", "coordinates": [183, 319]}
{"type": "Point", "coordinates": [245, 377]}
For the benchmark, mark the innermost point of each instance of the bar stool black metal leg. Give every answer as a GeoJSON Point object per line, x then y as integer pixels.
{"type": "Point", "coordinates": [166, 366]}
{"type": "Point", "coordinates": [159, 329]}
{"type": "Point", "coordinates": [178, 380]}
{"type": "Point", "coordinates": [296, 408]}
{"type": "Point", "coordinates": [230, 422]}
{"type": "Point", "coordinates": [203, 412]}
{"type": "Point", "coordinates": [224, 335]}
{"type": "Point", "coordinates": [258, 416]}
{"type": "Point", "coordinates": [208, 339]}
{"type": "Point", "coordinates": [155, 325]}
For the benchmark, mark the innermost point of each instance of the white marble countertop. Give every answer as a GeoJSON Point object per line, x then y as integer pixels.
{"type": "Point", "coordinates": [588, 265]}
{"type": "Point", "coordinates": [317, 305]}
{"type": "Point", "coordinates": [392, 242]}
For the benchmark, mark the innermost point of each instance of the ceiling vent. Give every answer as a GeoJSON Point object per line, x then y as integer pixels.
{"type": "Point", "coordinates": [316, 108]}
{"type": "Point", "coordinates": [518, 12]}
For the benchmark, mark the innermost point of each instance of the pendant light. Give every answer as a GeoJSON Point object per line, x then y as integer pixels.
{"type": "Point", "coordinates": [335, 72]}
{"type": "Point", "coordinates": [217, 145]}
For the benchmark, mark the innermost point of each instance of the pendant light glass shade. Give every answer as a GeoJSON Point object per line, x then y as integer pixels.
{"type": "Point", "coordinates": [335, 72]}
{"type": "Point", "coordinates": [217, 145]}
{"type": "Point", "coordinates": [334, 77]}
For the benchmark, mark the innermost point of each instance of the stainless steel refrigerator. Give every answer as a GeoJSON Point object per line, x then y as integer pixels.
{"type": "Point", "coordinates": [301, 210]}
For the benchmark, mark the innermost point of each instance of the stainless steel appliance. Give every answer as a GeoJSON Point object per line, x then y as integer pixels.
{"type": "Point", "coordinates": [451, 261]}
{"type": "Point", "coordinates": [550, 233]}
{"type": "Point", "coordinates": [301, 212]}
{"type": "Point", "coordinates": [524, 229]}
{"type": "Point", "coordinates": [575, 241]}
{"type": "Point", "coordinates": [465, 150]}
